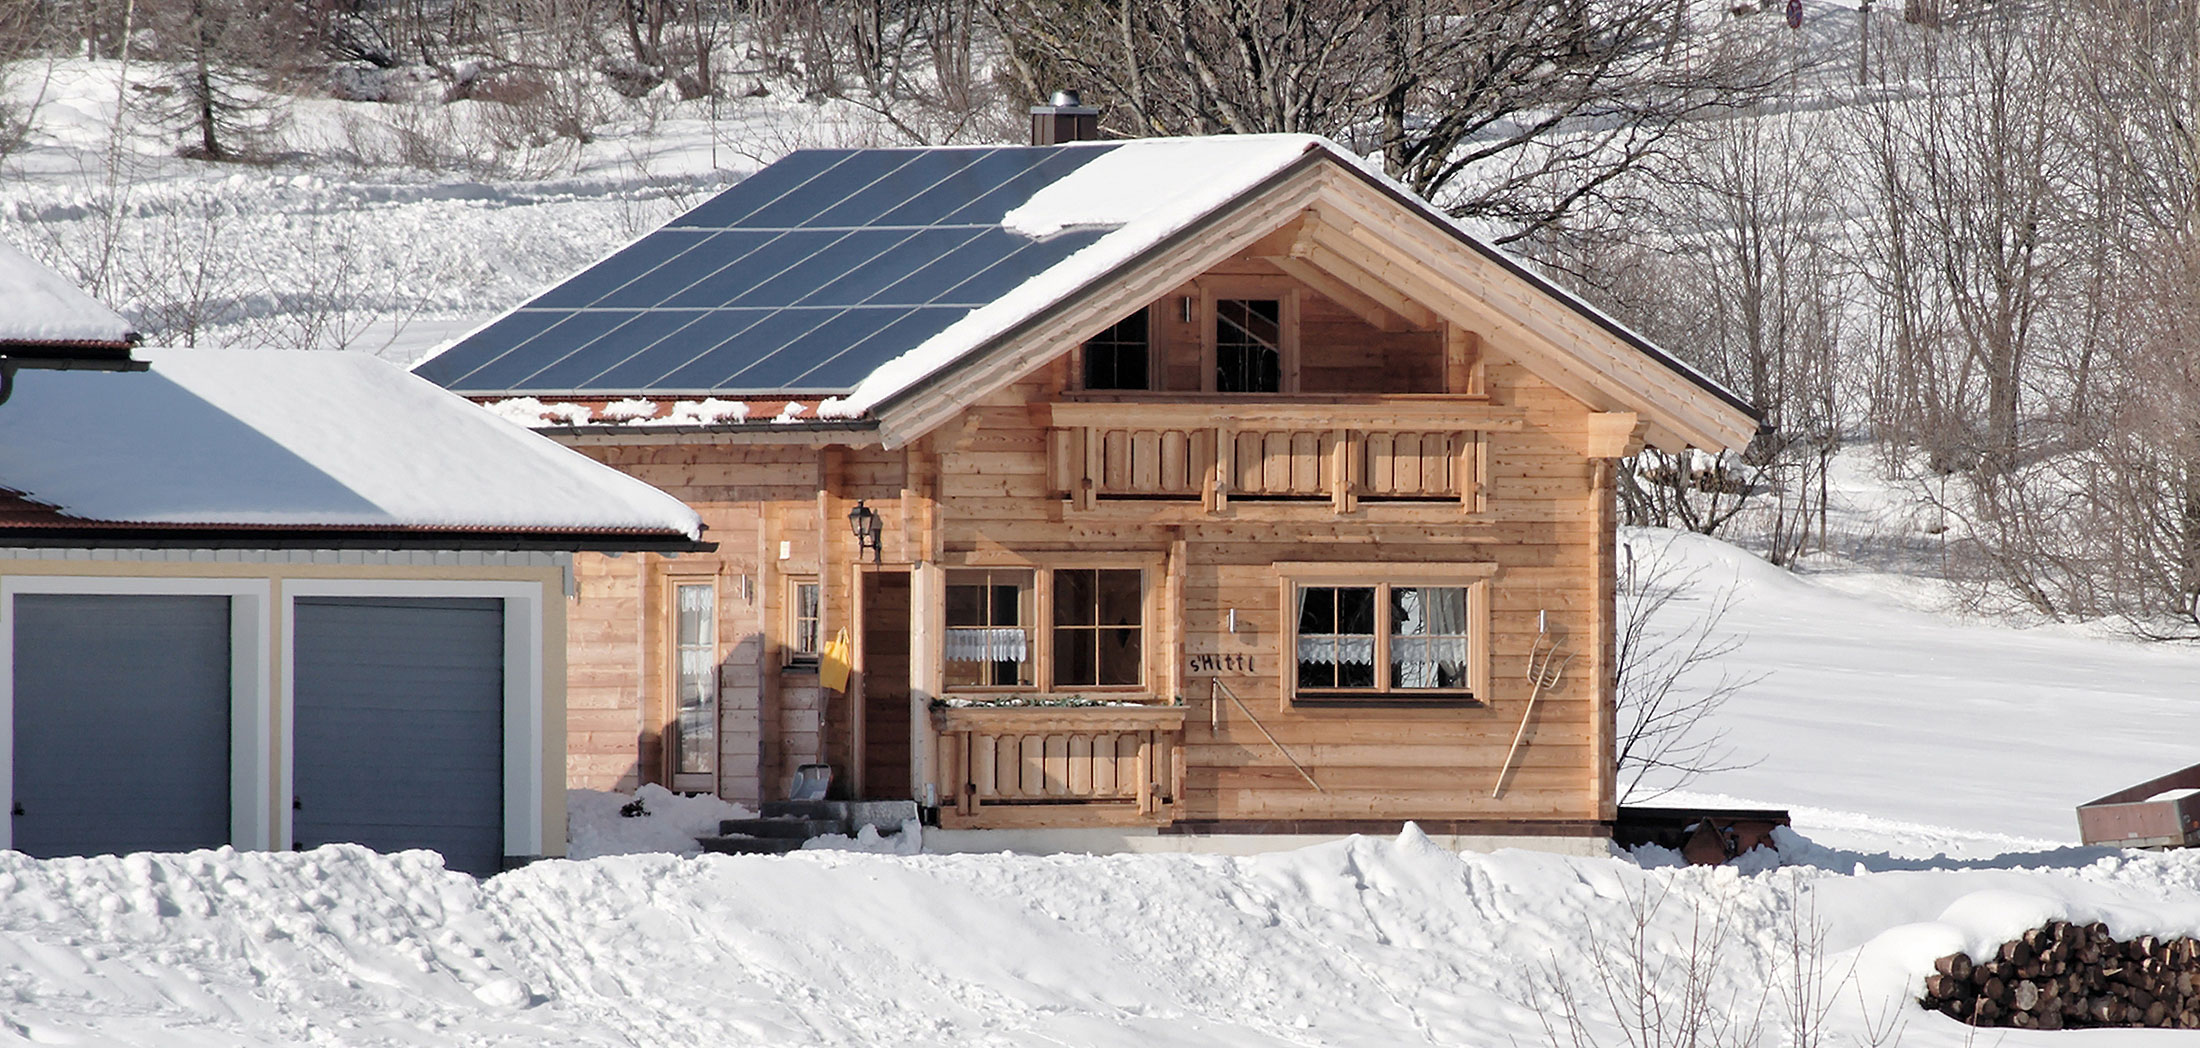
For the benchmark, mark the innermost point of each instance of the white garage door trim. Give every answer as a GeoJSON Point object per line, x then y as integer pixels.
{"type": "Point", "coordinates": [251, 699]}
{"type": "Point", "coordinates": [523, 688]}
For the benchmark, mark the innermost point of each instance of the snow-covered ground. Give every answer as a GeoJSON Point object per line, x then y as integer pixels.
{"type": "Point", "coordinates": [1932, 764]}
{"type": "Point", "coordinates": [1361, 942]}
{"type": "Point", "coordinates": [1931, 760]}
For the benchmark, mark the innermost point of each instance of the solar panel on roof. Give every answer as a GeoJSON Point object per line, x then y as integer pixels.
{"type": "Point", "coordinates": [862, 284]}
{"type": "Point", "coordinates": [801, 278]}
{"type": "Point", "coordinates": [761, 188]}
{"type": "Point", "coordinates": [927, 171]}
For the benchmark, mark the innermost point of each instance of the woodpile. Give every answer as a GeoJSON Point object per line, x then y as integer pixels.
{"type": "Point", "coordinates": [2071, 976]}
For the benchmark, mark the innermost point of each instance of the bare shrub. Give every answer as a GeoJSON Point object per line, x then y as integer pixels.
{"type": "Point", "coordinates": [1658, 993]}
{"type": "Point", "coordinates": [1665, 709]}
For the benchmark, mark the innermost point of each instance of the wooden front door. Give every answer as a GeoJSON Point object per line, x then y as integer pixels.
{"type": "Point", "coordinates": [883, 745]}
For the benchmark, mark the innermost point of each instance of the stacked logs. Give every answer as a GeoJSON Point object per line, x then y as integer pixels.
{"type": "Point", "coordinates": [2069, 976]}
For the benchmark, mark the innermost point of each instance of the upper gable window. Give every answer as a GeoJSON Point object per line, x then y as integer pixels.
{"type": "Point", "coordinates": [1118, 357]}
{"type": "Point", "coordinates": [1248, 345]}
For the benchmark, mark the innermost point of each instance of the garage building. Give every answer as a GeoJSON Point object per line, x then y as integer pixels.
{"type": "Point", "coordinates": [280, 600]}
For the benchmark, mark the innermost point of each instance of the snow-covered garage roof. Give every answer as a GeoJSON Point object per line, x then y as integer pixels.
{"type": "Point", "coordinates": [303, 442]}
{"type": "Point", "coordinates": [38, 307]}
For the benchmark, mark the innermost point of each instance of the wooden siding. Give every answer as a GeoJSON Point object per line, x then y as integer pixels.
{"type": "Point", "coordinates": [1512, 488]}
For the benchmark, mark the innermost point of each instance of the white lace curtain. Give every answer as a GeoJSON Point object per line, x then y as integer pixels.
{"type": "Point", "coordinates": [986, 644]}
{"type": "Point", "coordinates": [1430, 632]}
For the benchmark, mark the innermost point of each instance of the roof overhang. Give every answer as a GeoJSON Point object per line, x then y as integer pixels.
{"type": "Point", "coordinates": [1363, 232]}
{"type": "Point", "coordinates": [145, 536]}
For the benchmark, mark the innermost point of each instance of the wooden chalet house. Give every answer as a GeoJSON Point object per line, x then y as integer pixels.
{"type": "Point", "coordinates": [1218, 486]}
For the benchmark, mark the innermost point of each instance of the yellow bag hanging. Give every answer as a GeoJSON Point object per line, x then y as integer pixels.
{"type": "Point", "coordinates": [833, 663]}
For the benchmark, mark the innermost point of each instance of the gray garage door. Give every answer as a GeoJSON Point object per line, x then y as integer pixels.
{"type": "Point", "coordinates": [121, 723]}
{"type": "Point", "coordinates": [399, 733]}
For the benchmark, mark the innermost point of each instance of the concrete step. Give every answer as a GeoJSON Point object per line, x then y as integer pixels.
{"type": "Point", "coordinates": [852, 816]}
{"type": "Point", "coordinates": [803, 810]}
{"type": "Point", "coordinates": [796, 829]}
{"type": "Point", "coordinates": [750, 845]}
{"type": "Point", "coordinates": [886, 816]}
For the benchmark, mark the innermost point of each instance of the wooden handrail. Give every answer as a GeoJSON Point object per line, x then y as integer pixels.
{"type": "Point", "coordinates": [1402, 413]}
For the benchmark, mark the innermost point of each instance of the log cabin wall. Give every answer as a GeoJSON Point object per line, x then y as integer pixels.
{"type": "Point", "coordinates": [779, 515]}
{"type": "Point", "coordinates": [985, 490]}
{"type": "Point", "coordinates": [1543, 530]}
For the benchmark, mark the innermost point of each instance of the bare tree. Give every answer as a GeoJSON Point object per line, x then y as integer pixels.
{"type": "Point", "coordinates": [1524, 112]}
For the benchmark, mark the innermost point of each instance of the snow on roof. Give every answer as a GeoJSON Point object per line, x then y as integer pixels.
{"type": "Point", "coordinates": [37, 305]}
{"type": "Point", "coordinates": [1144, 190]}
{"type": "Point", "coordinates": [244, 437]}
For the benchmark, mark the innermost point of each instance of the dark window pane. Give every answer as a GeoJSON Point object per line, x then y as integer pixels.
{"type": "Point", "coordinates": [1074, 659]}
{"type": "Point", "coordinates": [1317, 610]}
{"type": "Point", "coordinates": [1120, 660]}
{"type": "Point", "coordinates": [1356, 609]}
{"type": "Point", "coordinates": [1248, 341]}
{"type": "Point", "coordinates": [1007, 605]}
{"type": "Point", "coordinates": [966, 605]}
{"type": "Point", "coordinates": [1356, 675]}
{"type": "Point", "coordinates": [1073, 597]}
{"type": "Point", "coordinates": [1116, 358]}
{"type": "Point", "coordinates": [1121, 594]}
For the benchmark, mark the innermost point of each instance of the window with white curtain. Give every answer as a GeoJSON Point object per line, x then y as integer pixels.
{"type": "Point", "coordinates": [989, 624]}
{"type": "Point", "coordinates": [1357, 641]}
{"type": "Point", "coordinates": [695, 653]}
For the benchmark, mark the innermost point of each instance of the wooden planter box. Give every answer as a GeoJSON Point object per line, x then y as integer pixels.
{"type": "Point", "coordinates": [1007, 767]}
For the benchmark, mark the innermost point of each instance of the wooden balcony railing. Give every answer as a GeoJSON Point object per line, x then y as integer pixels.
{"type": "Point", "coordinates": [1004, 767]}
{"type": "Point", "coordinates": [1339, 453]}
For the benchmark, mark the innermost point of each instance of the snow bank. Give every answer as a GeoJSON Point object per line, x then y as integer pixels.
{"type": "Point", "coordinates": [309, 439]}
{"type": "Point", "coordinates": [1363, 942]}
{"type": "Point", "coordinates": [597, 822]}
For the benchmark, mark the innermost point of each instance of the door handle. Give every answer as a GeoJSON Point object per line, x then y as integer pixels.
{"type": "Point", "coordinates": [17, 809]}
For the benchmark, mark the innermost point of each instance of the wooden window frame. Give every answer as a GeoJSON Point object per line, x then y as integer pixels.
{"type": "Point", "coordinates": [675, 779]}
{"type": "Point", "coordinates": [1145, 632]}
{"type": "Point", "coordinates": [1035, 643]}
{"type": "Point", "coordinates": [1475, 578]}
{"type": "Point", "coordinates": [1152, 570]}
{"type": "Point", "coordinates": [1154, 361]}
{"type": "Point", "coordinates": [796, 658]}
{"type": "Point", "coordinates": [1286, 294]}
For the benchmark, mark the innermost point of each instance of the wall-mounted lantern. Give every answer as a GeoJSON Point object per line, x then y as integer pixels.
{"type": "Point", "coordinates": [864, 520]}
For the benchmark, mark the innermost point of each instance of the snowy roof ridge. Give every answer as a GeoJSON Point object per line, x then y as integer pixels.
{"type": "Point", "coordinates": [39, 307]}
{"type": "Point", "coordinates": [1143, 191]}
{"type": "Point", "coordinates": [299, 439]}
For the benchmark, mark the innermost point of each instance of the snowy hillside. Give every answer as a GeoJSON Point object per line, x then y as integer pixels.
{"type": "Point", "coordinates": [1860, 704]}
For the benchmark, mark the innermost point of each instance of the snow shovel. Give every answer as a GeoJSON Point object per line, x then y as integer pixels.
{"type": "Point", "coordinates": [1542, 674]}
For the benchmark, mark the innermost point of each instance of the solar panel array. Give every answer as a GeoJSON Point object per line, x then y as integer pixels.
{"type": "Point", "coordinates": [802, 278]}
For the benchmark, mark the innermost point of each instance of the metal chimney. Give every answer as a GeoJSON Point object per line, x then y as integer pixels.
{"type": "Point", "coordinates": [1064, 119]}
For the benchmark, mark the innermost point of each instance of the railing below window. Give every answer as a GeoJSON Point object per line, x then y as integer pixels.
{"type": "Point", "coordinates": [1199, 451]}
{"type": "Point", "coordinates": [1004, 767]}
